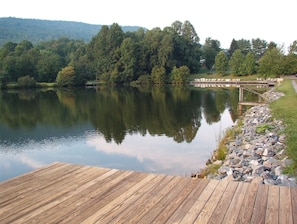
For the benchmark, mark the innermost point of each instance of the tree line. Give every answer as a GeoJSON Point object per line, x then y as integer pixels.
{"type": "Point", "coordinates": [143, 56]}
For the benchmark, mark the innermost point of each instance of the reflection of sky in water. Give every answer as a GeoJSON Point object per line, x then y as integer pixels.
{"type": "Point", "coordinates": [158, 154]}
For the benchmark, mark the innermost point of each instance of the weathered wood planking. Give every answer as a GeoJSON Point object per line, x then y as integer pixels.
{"type": "Point", "coordinates": [67, 193]}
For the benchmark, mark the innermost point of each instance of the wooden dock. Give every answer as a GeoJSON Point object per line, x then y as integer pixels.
{"type": "Point", "coordinates": [66, 193]}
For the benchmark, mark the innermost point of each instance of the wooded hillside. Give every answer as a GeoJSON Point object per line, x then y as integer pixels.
{"type": "Point", "coordinates": [35, 30]}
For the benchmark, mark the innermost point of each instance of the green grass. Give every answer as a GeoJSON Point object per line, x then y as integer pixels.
{"type": "Point", "coordinates": [285, 109]}
{"type": "Point", "coordinates": [14, 85]}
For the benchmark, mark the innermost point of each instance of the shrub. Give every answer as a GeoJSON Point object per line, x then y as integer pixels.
{"type": "Point", "coordinates": [26, 81]}
{"type": "Point", "coordinates": [66, 77]}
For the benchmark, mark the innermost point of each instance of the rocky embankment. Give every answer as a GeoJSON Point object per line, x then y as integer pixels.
{"type": "Point", "coordinates": [258, 153]}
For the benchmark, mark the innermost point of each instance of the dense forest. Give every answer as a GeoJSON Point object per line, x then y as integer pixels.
{"type": "Point", "coordinates": [143, 56]}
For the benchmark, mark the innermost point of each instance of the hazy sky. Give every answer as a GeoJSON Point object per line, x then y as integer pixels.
{"type": "Point", "coordinates": [271, 20]}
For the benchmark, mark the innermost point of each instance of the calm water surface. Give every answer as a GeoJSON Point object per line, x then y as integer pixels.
{"type": "Point", "coordinates": [168, 131]}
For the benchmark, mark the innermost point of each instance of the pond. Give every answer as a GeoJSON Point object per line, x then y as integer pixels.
{"type": "Point", "coordinates": [160, 130]}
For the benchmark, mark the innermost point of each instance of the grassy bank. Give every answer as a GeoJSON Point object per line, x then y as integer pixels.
{"type": "Point", "coordinates": [285, 109]}
{"type": "Point", "coordinates": [38, 85]}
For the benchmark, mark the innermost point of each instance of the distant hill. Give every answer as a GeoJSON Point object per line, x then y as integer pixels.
{"type": "Point", "coordinates": [35, 30]}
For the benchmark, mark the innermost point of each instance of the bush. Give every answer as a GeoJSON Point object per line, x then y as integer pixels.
{"type": "Point", "coordinates": [26, 81]}
{"type": "Point", "coordinates": [66, 77]}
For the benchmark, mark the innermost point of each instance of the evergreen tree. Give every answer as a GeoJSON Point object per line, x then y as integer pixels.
{"type": "Point", "coordinates": [233, 47]}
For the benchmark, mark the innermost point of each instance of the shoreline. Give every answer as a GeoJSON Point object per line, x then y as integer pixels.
{"type": "Point", "coordinates": [258, 153]}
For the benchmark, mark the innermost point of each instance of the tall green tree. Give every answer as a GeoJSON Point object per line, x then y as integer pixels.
{"type": "Point", "coordinates": [290, 60]}
{"type": "Point", "coordinates": [258, 47]}
{"type": "Point", "coordinates": [221, 63]}
{"type": "Point", "coordinates": [244, 46]}
{"type": "Point", "coordinates": [48, 66]}
{"type": "Point", "coordinates": [158, 75]}
{"type": "Point", "coordinates": [293, 48]}
{"type": "Point", "coordinates": [236, 61]}
{"type": "Point", "coordinates": [128, 59]}
{"type": "Point", "coordinates": [210, 49]}
{"type": "Point", "coordinates": [179, 75]}
{"type": "Point", "coordinates": [271, 64]}
{"type": "Point", "coordinates": [233, 47]}
{"type": "Point", "coordinates": [248, 66]}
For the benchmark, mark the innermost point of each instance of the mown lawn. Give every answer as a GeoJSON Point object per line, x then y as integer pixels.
{"type": "Point", "coordinates": [285, 109]}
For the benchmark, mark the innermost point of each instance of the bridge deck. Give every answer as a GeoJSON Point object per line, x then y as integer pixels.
{"type": "Point", "coordinates": [66, 193]}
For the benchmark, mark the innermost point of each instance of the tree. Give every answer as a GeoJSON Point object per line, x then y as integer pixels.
{"type": "Point", "coordinates": [233, 47]}
{"type": "Point", "coordinates": [248, 67]}
{"type": "Point", "coordinates": [210, 49]}
{"type": "Point", "coordinates": [66, 77]}
{"type": "Point", "coordinates": [293, 48]}
{"type": "Point", "coordinates": [49, 64]}
{"type": "Point", "coordinates": [271, 64]}
{"type": "Point", "coordinates": [290, 60]}
{"type": "Point", "coordinates": [236, 61]}
{"type": "Point", "coordinates": [221, 63]}
{"type": "Point", "coordinates": [26, 81]}
{"type": "Point", "coordinates": [187, 50]}
{"type": "Point", "coordinates": [158, 75]}
{"type": "Point", "coordinates": [128, 59]}
{"type": "Point", "coordinates": [104, 50]}
{"type": "Point", "coordinates": [258, 47]}
{"type": "Point", "coordinates": [179, 75]}
{"type": "Point", "coordinates": [244, 46]}
{"type": "Point", "coordinates": [189, 33]}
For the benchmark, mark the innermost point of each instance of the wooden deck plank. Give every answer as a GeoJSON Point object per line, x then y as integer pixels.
{"type": "Point", "coordinates": [114, 209]}
{"type": "Point", "coordinates": [30, 203]}
{"type": "Point", "coordinates": [235, 205]}
{"type": "Point", "coordinates": [181, 211]}
{"type": "Point", "coordinates": [211, 204]}
{"type": "Point", "coordinates": [246, 211]}
{"type": "Point", "coordinates": [272, 205]}
{"type": "Point", "coordinates": [285, 206]}
{"type": "Point", "coordinates": [130, 212]}
{"type": "Point", "coordinates": [160, 207]}
{"type": "Point", "coordinates": [22, 180]}
{"type": "Point", "coordinates": [260, 205]}
{"type": "Point", "coordinates": [294, 204]}
{"type": "Point", "coordinates": [28, 198]}
{"type": "Point", "coordinates": [44, 210]}
{"type": "Point", "coordinates": [152, 198]}
{"type": "Point", "coordinates": [86, 196]}
{"type": "Point", "coordinates": [178, 199]}
{"type": "Point", "coordinates": [195, 210]}
{"type": "Point", "coordinates": [66, 193]}
{"type": "Point", "coordinates": [15, 193]}
{"type": "Point", "coordinates": [221, 208]}
{"type": "Point", "coordinates": [127, 200]}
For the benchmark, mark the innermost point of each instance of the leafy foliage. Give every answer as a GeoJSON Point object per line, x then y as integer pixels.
{"type": "Point", "coordinates": [236, 62]}
{"type": "Point", "coordinates": [179, 75]}
{"type": "Point", "coordinates": [26, 81]}
{"type": "Point", "coordinates": [221, 63]}
{"type": "Point", "coordinates": [66, 77]}
{"type": "Point", "coordinates": [270, 65]}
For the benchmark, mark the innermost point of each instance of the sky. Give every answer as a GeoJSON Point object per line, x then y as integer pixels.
{"type": "Point", "coordinates": [222, 20]}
